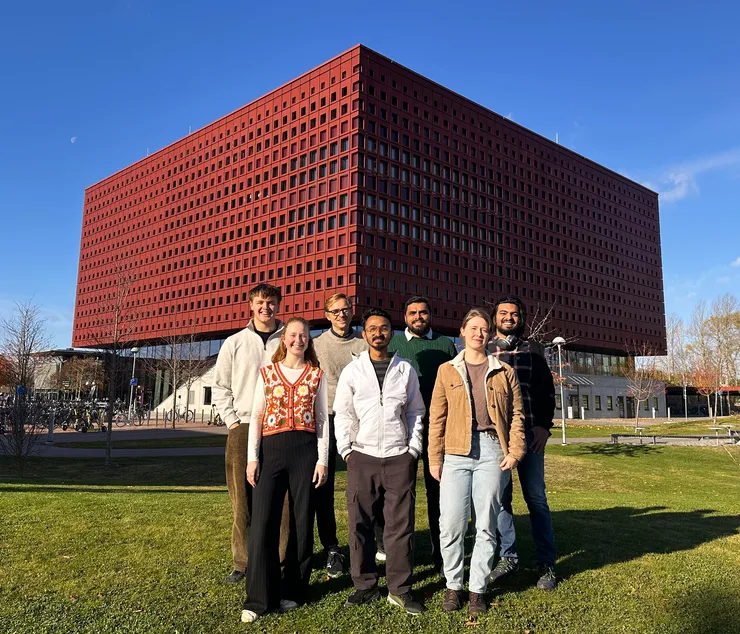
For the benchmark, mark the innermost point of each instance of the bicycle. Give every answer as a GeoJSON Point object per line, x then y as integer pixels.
{"type": "Point", "coordinates": [216, 419]}
{"type": "Point", "coordinates": [180, 415]}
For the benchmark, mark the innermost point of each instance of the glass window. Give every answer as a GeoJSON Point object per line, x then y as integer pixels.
{"type": "Point", "coordinates": [584, 398]}
{"type": "Point", "coordinates": [558, 402]}
{"type": "Point", "coordinates": [609, 403]}
{"type": "Point", "coordinates": [597, 402]}
{"type": "Point", "coordinates": [206, 396]}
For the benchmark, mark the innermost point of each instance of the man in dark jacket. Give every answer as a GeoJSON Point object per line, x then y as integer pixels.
{"type": "Point", "coordinates": [538, 395]}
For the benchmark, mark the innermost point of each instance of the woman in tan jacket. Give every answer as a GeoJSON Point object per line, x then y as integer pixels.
{"type": "Point", "coordinates": [476, 437]}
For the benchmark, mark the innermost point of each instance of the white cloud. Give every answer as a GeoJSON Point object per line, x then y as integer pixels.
{"type": "Point", "coordinates": [736, 263]}
{"type": "Point", "coordinates": [681, 180]}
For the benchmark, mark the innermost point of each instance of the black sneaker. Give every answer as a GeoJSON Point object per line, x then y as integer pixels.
{"type": "Point", "coordinates": [406, 601]}
{"type": "Point", "coordinates": [335, 563]}
{"type": "Point", "coordinates": [235, 577]}
{"type": "Point", "coordinates": [505, 567]}
{"type": "Point", "coordinates": [361, 597]}
{"type": "Point", "coordinates": [548, 580]}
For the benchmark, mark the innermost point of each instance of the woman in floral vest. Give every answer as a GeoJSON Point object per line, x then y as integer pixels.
{"type": "Point", "coordinates": [288, 451]}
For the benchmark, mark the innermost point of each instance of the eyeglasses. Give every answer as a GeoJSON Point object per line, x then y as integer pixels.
{"type": "Point", "coordinates": [340, 311]}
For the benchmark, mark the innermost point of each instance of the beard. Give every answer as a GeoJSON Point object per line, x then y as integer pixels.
{"type": "Point", "coordinates": [506, 329]}
{"type": "Point", "coordinates": [420, 331]}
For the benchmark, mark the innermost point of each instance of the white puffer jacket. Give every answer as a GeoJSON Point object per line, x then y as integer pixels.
{"type": "Point", "coordinates": [378, 423]}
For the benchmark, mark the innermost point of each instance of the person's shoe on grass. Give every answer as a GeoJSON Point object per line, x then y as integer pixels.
{"type": "Point", "coordinates": [451, 601]}
{"type": "Point", "coordinates": [548, 579]}
{"type": "Point", "coordinates": [235, 577]}
{"type": "Point", "coordinates": [406, 602]}
{"type": "Point", "coordinates": [477, 605]}
{"type": "Point", "coordinates": [335, 563]}
{"type": "Point", "coordinates": [362, 597]}
{"type": "Point", "coordinates": [505, 567]}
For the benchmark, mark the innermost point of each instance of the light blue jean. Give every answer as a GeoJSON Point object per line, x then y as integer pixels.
{"type": "Point", "coordinates": [475, 478]}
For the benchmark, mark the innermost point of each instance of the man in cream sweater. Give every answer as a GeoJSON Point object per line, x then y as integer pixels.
{"type": "Point", "coordinates": [335, 349]}
{"type": "Point", "coordinates": [237, 368]}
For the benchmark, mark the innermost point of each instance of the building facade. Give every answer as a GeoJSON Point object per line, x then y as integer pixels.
{"type": "Point", "coordinates": [361, 176]}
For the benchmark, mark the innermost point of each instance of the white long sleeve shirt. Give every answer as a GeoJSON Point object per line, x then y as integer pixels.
{"type": "Point", "coordinates": [321, 415]}
{"type": "Point", "coordinates": [237, 368]}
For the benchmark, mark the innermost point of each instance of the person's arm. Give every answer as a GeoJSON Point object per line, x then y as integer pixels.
{"type": "Point", "coordinates": [255, 420]}
{"type": "Point", "coordinates": [437, 427]}
{"type": "Point", "coordinates": [517, 438]}
{"type": "Point", "coordinates": [321, 416]}
{"type": "Point", "coordinates": [451, 350]}
{"type": "Point", "coordinates": [543, 392]}
{"type": "Point", "coordinates": [255, 431]}
{"type": "Point", "coordinates": [221, 392]}
{"type": "Point", "coordinates": [415, 411]}
{"type": "Point", "coordinates": [344, 412]}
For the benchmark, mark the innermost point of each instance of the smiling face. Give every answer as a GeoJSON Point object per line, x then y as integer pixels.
{"type": "Point", "coordinates": [339, 314]}
{"type": "Point", "coordinates": [418, 318]}
{"type": "Point", "coordinates": [377, 332]}
{"type": "Point", "coordinates": [476, 334]}
{"type": "Point", "coordinates": [295, 338]}
{"type": "Point", "coordinates": [508, 319]}
{"type": "Point", "coordinates": [264, 310]}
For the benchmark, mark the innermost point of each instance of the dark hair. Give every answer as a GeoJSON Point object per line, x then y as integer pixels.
{"type": "Point", "coordinates": [512, 299]}
{"type": "Point", "coordinates": [265, 291]}
{"type": "Point", "coordinates": [375, 312]}
{"type": "Point", "coordinates": [309, 355]}
{"type": "Point", "coordinates": [416, 299]}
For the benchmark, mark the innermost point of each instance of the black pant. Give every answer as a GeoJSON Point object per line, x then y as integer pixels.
{"type": "Point", "coordinates": [432, 490]}
{"type": "Point", "coordinates": [326, 522]}
{"type": "Point", "coordinates": [367, 479]}
{"type": "Point", "coordinates": [287, 463]}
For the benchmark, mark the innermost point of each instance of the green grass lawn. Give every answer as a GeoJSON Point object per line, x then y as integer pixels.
{"type": "Point", "coordinates": [205, 440]}
{"type": "Point", "coordinates": [648, 540]}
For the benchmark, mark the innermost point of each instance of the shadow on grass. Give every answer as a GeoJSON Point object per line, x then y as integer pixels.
{"type": "Point", "coordinates": [590, 539]}
{"type": "Point", "coordinates": [630, 451]}
{"type": "Point", "coordinates": [707, 611]}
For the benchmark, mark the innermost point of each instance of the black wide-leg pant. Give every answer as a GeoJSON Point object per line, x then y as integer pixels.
{"type": "Point", "coordinates": [287, 463]}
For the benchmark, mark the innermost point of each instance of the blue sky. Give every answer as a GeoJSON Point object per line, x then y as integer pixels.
{"type": "Point", "coordinates": [649, 89]}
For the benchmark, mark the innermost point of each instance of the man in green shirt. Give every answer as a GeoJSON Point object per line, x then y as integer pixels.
{"type": "Point", "coordinates": [426, 350]}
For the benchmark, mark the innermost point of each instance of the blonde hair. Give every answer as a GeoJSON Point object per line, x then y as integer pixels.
{"type": "Point", "coordinates": [335, 298]}
{"type": "Point", "coordinates": [477, 312]}
{"type": "Point", "coordinates": [282, 351]}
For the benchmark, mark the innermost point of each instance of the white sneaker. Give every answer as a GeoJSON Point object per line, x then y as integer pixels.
{"type": "Point", "coordinates": [380, 556]}
{"type": "Point", "coordinates": [249, 617]}
{"type": "Point", "coordinates": [286, 605]}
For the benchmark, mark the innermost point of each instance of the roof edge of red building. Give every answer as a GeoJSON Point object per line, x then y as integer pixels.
{"type": "Point", "coordinates": [507, 121]}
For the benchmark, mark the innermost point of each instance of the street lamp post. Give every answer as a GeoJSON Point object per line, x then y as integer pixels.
{"type": "Point", "coordinates": [559, 342]}
{"type": "Point", "coordinates": [134, 350]}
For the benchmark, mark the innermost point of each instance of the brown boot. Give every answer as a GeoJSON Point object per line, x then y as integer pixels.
{"type": "Point", "coordinates": [477, 605]}
{"type": "Point", "coordinates": [451, 601]}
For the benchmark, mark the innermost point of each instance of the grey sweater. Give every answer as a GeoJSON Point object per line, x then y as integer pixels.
{"type": "Point", "coordinates": [334, 354]}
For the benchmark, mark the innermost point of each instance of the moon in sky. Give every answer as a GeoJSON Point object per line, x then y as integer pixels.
{"type": "Point", "coordinates": [73, 139]}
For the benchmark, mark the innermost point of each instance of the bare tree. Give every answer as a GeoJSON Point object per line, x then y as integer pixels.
{"type": "Point", "coordinates": [180, 356]}
{"type": "Point", "coordinates": [114, 330]}
{"type": "Point", "coordinates": [643, 377]}
{"type": "Point", "coordinates": [704, 379]}
{"type": "Point", "coordinates": [24, 337]}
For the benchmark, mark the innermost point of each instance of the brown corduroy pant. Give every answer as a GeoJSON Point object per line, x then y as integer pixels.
{"type": "Point", "coordinates": [240, 493]}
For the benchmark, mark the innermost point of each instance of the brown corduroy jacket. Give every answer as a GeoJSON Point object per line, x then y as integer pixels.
{"type": "Point", "coordinates": [450, 417]}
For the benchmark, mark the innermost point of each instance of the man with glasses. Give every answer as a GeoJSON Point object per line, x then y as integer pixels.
{"type": "Point", "coordinates": [335, 349]}
{"type": "Point", "coordinates": [379, 412]}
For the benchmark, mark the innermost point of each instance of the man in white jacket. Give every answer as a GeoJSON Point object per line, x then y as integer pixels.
{"type": "Point", "coordinates": [378, 425]}
{"type": "Point", "coordinates": [237, 368]}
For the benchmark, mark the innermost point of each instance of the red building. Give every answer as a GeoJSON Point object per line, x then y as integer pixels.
{"type": "Point", "coordinates": [364, 177]}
